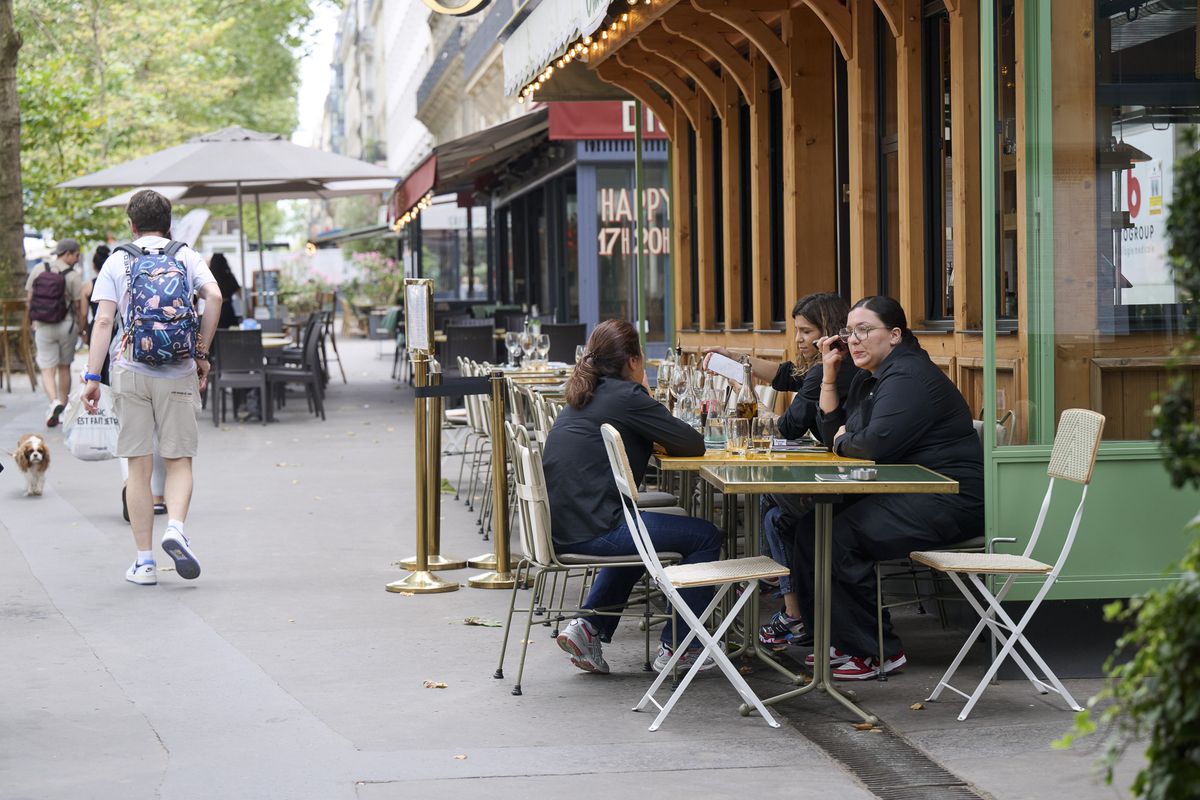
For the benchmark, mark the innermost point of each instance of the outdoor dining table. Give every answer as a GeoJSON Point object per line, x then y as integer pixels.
{"type": "Point", "coordinates": [754, 479]}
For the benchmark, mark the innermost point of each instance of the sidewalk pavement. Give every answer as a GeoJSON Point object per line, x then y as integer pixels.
{"type": "Point", "coordinates": [286, 670]}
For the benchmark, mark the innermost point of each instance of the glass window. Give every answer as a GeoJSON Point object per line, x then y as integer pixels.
{"type": "Point", "coordinates": [1007, 119]}
{"type": "Point", "coordinates": [718, 221]}
{"type": "Point", "coordinates": [746, 256]}
{"type": "Point", "coordinates": [888, 158]}
{"type": "Point", "coordinates": [1118, 131]}
{"type": "Point", "coordinates": [939, 183]}
{"type": "Point", "coordinates": [454, 250]}
{"type": "Point", "coordinates": [775, 168]}
{"type": "Point", "coordinates": [693, 239]}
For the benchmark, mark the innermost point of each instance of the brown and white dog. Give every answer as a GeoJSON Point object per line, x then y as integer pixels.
{"type": "Point", "coordinates": [33, 459]}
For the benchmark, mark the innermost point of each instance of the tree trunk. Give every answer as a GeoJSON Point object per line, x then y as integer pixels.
{"type": "Point", "coordinates": [12, 213]}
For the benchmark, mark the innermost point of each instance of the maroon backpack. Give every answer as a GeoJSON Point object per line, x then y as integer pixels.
{"type": "Point", "coordinates": [49, 300]}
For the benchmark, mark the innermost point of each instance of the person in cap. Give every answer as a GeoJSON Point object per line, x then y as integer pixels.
{"type": "Point", "coordinates": [52, 294]}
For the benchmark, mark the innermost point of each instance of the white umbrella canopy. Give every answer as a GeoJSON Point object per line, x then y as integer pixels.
{"type": "Point", "coordinates": [220, 193]}
{"type": "Point", "coordinates": [246, 161]}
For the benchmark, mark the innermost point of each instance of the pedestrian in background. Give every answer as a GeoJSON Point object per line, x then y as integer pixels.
{"type": "Point", "coordinates": [52, 294]}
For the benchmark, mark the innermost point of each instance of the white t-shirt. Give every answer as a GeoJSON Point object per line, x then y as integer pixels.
{"type": "Point", "coordinates": [113, 284]}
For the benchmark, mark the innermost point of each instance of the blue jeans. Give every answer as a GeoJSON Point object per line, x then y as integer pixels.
{"type": "Point", "coordinates": [697, 540]}
{"type": "Point", "coordinates": [780, 515]}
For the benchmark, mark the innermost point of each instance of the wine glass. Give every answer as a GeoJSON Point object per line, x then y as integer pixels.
{"type": "Point", "coordinates": [526, 344]}
{"type": "Point", "coordinates": [579, 353]}
{"type": "Point", "coordinates": [679, 381]}
{"type": "Point", "coordinates": [662, 383]}
{"type": "Point", "coordinates": [542, 346]}
{"type": "Point", "coordinates": [512, 343]}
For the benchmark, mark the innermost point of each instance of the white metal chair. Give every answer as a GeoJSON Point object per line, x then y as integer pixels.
{"type": "Point", "coordinates": [719, 574]}
{"type": "Point", "coordinates": [1072, 459]}
{"type": "Point", "coordinates": [537, 546]}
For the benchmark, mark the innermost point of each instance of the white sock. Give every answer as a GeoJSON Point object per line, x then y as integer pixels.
{"type": "Point", "coordinates": [176, 524]}
{"type": "Point", "coordinates": [145, 556]}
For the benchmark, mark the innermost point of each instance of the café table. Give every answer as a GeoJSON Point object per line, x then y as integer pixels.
{"type": "Point", "coordinates": [755, 479]}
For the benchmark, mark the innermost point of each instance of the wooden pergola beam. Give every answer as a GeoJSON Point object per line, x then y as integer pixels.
{"type": "Point", "coordinates": [740, 16]}
{"type": "Point", "coordinates": [837, 19]}
{"type": "Point", "coordinates": [662, 72]}
{"type": "Point", "coordinates": [893, 12]}
{"type": "Point", "coordinates": [639, 88]}
{"type": "Point", "coordinates": [707, 33]}
{"type": "Point", "coordinates": [656, 40]}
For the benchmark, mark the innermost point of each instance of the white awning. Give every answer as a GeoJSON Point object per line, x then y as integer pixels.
{"type": "Point", "coordinates": [544, 35]}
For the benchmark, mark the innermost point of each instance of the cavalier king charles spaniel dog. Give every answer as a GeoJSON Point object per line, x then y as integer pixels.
{"type": "Point", "coordinates": [33, 459]}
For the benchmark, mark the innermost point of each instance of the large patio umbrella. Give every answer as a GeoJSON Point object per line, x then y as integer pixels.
{"type": "Point", "coordinates": [239, 158]}
{"type": "Point", "coordinates": [213, 194]}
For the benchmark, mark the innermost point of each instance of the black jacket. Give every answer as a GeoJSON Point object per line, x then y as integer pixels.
{"type": "Point", "coordinates": [909, 412]}
{"type": "Point", "coordinates": [801, 416]}
{"type": "Point", "coordinates": [584, 503]}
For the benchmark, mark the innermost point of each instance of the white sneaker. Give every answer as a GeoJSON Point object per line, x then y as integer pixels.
{"type": "Point", "coordinates": [143, 574]}
{"type": "Point", "coordinates": [54, 412]}
{"type": "Point", "coordinates": [176, 545]}
{"type": "Point", "coordinates": [580, 640]}
{"type": "Point", "coordinates": [685, 661]}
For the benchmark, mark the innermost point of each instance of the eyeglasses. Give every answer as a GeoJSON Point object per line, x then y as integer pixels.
{"type": "Point", "coordinates": [860, 332]}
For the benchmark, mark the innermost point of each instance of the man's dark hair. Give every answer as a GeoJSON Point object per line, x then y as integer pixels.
{"type": "Point", "coordinates": [149, 212]}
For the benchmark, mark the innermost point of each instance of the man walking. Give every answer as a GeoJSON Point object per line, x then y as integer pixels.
{"type": "Point", "coordinates": [159, 368]}
{"type": "Point", "coordinates": [52, 294]}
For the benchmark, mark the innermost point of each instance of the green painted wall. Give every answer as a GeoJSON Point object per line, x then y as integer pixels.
{"type": "Point", "coordinates": [1132, 528]}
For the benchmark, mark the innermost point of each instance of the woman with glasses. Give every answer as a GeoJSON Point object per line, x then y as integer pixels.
{"type": "Point", "coordinates": [813, 317]}
{"type": "Point", "coordinates": [901, 409]}
{"type": "Point", "coordinates": [609, 386]}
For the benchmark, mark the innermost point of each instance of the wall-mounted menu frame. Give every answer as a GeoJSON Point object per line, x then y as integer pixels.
{"type": "Point", "coordinates": [418, 314]}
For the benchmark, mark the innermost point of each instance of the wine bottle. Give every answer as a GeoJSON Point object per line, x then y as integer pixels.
{"type": "Point", "coordinates": [747, 401]}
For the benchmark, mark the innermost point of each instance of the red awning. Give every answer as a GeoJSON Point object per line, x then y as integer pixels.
{"type": "Point", "coordinates": [410, 191]}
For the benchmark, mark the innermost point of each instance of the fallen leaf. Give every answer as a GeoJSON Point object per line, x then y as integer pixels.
{"type": "Point", "coordinates": [295, 481]}
{"type": "Point", "coordinates": [482, 622]}
{"type": "Point", "coordinates": [863, 726]}
{"type": "Point", "coordinates": [434, 685]}
{"type": "Point", "coordinates": [461, 757]}
{"type": "Point", "coordinates": [746, 669]}
{"type": "Point", "coordinates": [316, 497]}
{"type": "Point", "coordinates": [875, 730]}
{"type": "Point", "coordinates": [917, 707]}
{"type": "Point", "coordinates": [351, 433]}
{"type": "Point", "coordinates": [291, 620]}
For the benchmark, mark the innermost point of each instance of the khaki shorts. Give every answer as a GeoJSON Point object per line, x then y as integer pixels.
{"type": "Point", "coordinates": [148, 405]}
{"type": "Point", "coordinates": [55, 343]}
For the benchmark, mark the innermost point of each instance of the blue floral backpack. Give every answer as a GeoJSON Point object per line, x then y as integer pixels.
{"type": "Point", "coordinates": [160, 322]}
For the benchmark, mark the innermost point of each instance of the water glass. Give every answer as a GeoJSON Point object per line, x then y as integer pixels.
{"type": "Point", "coordinates": [737, 435]}
{"type": "Point", "coordinates": [541, 345]}
{"type": "Point", "coordinates": [714, 433]}
{"type": "Point", "coordinates": [526, 344]}
{"type": "Point", "coordinates": [512, 343]}
{"type": "Point", "coordinates": [764, 428]}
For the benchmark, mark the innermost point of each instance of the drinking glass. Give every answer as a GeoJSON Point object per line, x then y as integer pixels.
{"type": "Point", "coordinates": [662, 383]}
{"type": "Point", "coordinates": [679, 381]}
{"type": "Point", "coordinates": [527, 341]}
{"type": "Point", "coordinates": [737, 435]}
{"type": "Point", "coordinates": [764, 428]}
{"type": "Point", "coordinates": [512, 343]}
{"type": "Point", "coordinates": [714, 433]}
{"type": "Point", "coordinates": [542, 346]}
{"type": "Point", "coordinates": [579, 353]}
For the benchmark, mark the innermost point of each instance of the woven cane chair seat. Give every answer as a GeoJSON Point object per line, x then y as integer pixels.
{"type": "Point", "coordinates": [734, 570]}
{"type": "Point", "coordinates": [988, 563]}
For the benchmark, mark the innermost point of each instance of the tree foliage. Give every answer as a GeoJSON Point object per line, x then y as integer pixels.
{"type": "Point", "coordinates": [1154, 675]}
{"type": "Point", "coordinates": [104, 81]}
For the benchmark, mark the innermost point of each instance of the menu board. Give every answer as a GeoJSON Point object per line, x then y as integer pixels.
{"type": "Point", "coordinates": [418, 314]}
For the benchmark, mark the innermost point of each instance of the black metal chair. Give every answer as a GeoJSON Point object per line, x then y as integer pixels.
{"type": "Point", "coordinates": [238, 364]}
{"type": "Point", "coordinates": [564, 337]}
{"type": "Point", "coordinates": [473, 342]}
{"type": "Point", "coordinates": [508, 319]}
{"type": "Point", "coordinates": [308, 372]}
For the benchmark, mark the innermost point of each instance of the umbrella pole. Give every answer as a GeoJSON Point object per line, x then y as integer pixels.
{"type": "Point", "coordinates": [242, 244]}
{"type": "Point", "coordinates": [262, 275]}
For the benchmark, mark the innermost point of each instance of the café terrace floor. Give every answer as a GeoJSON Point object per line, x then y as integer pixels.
{"type": "Point", "coordinates": [286, 670]}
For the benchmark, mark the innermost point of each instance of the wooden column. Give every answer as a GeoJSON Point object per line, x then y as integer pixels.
{"type": "Point", "coordinates": [681, 223]}
{"type": "Point", "coordinates": [863, 146]}
{"type": "Point", "coordinates": [964, 167]}
{"type": "Point", "coordinates": [810, 193]}
{"type": "Point", "coordinates": [760, 189]}
{"type": "Point", "coordinates": [731, 182]}
{"type": "Point", "coordinates": [911, 161]}
{"type": "Point", "coordinates": [706, 242]}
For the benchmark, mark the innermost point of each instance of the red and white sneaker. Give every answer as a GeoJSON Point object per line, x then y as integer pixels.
{"type": "Point", "coordinates": [836, 658]}
{"type": "Point", "coordinates": [859, 669]}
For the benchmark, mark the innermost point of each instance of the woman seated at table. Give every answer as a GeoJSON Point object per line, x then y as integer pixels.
{"type": "Point", "coordinates": [901, 409]}
{"type": "Point", "coordinates": [813, 316]}
{"type": "Point", "coordinates": [609, 386]}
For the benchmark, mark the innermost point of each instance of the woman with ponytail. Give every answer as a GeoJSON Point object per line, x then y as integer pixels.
{"type": "Point", "coordinates": [609, 386]}
{"type": "Point", "coordinates": [901, 409]}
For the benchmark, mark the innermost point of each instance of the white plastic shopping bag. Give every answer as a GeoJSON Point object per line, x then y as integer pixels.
{"type": "Point", "coordinates": [92, 437]}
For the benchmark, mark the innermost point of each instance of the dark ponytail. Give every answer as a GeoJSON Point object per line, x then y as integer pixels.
{"type": "Point", "coordinates": [609, 348]}
{"type": "Point", "coordinates": [891, 313]}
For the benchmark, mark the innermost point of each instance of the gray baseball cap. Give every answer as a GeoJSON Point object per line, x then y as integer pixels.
{"type": "Point", "coordinates": [66, 246]}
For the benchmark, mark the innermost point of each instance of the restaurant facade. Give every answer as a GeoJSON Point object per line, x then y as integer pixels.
{"type": "Point", "coordinates": [1004, 168]}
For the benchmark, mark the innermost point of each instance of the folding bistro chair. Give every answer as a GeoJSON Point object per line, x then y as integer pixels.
{"type": "Point", "coordinates": [1073, 457]}
{"type": "Point", "coordinates": [719, 574]}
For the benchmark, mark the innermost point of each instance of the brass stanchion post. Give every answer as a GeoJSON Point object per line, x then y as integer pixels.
{"type": "Point", "coordinates": [434, 560]}
{"type": "Point", "coordinates": [421, 580]}
{"type": "Point", "coordinates": [501, 578]}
